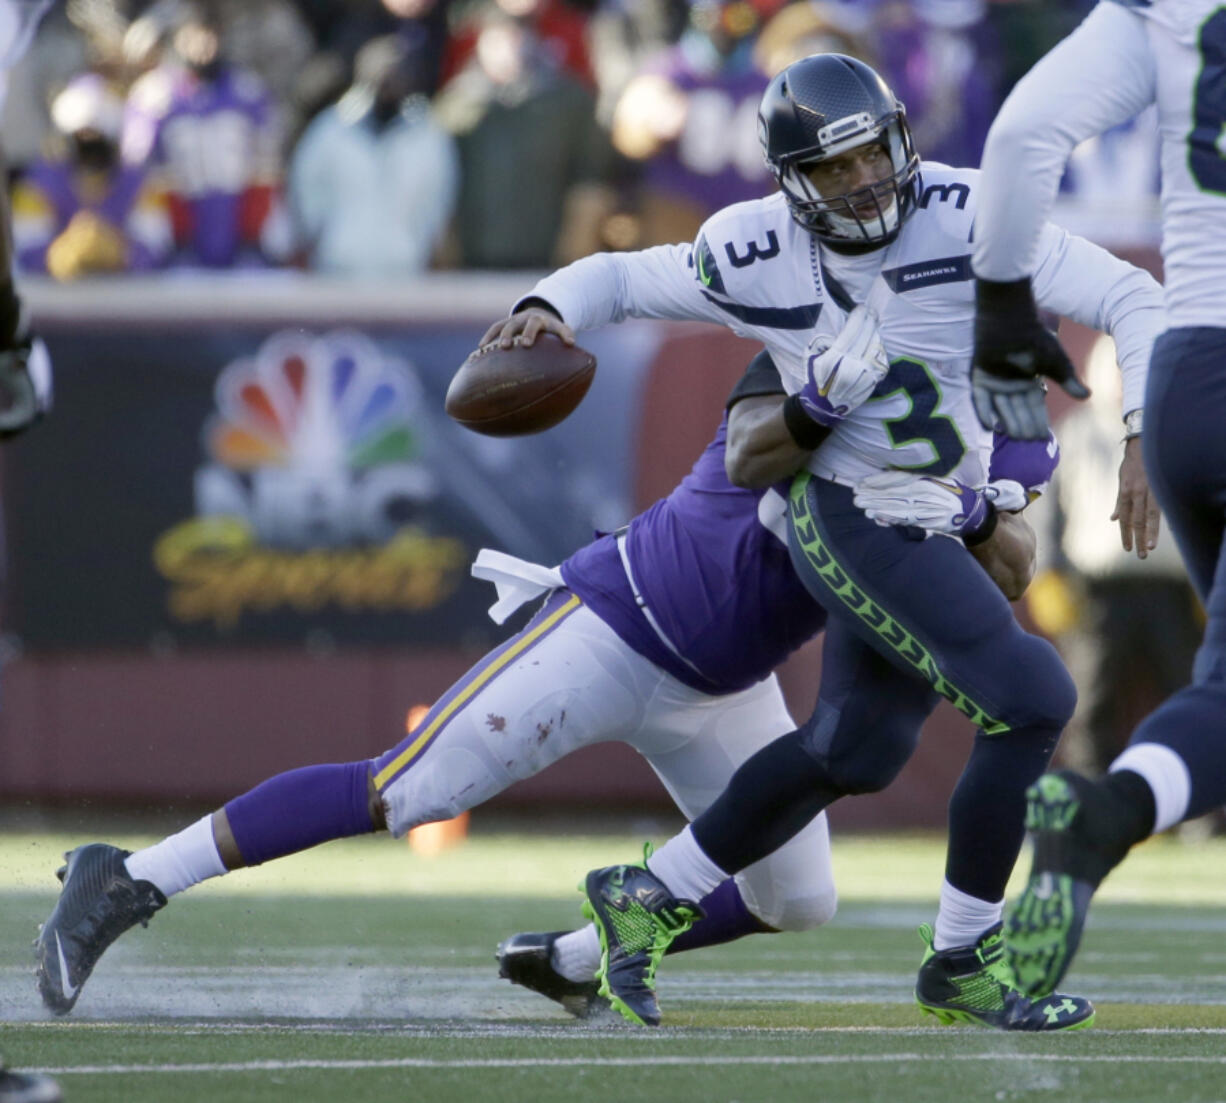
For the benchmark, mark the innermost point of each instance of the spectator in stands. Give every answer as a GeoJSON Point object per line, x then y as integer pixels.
{"type": "Point", "coordinates": [85, 213]}
{"type": "Point", "coordinates": [534, 162]}
{"type": "Point", "coordinates": [689, 116]}
{"type": "Point", "coordinates": [343, 27]}
{"type": "Point", "coordinates": [373, 181]}
{"type": "Point", "coordinates": [623, 35]}
{"type": "Point", "coordinates": [812, 27]}
{"type": "Point", "coordinates": [559, 26]}
{"type": "Point", "coordinates": [270, 39]}
{"type": "Point", "coordinates": [213, 135]}
{"type": "Point", "coordinates": [1027, 29]}
{"type": "Point", "coordinates": [943, 60]}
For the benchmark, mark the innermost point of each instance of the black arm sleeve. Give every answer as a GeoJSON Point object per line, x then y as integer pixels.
{"type": "Point", "coordinates": [760, 378]}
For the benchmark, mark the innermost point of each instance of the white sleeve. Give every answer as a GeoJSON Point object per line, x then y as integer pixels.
{"type": "Point", "coordinates": [1084, 282]}
{"type": "Point", "coordinates": [608, 287]}
{"type": "Point", "coordinates": [1100, 76]}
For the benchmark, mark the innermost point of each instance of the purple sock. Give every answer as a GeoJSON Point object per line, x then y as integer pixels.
{"type": "Point", "coordinates": [727, 918]}
{"type": "Point", "coordinates": [301, 809]}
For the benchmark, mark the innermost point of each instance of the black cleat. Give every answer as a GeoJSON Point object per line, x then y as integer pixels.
{"type": "Point", "coordinates": [98, 903]}
{"type": "Point", "coordinates": [527, 960]}
{"type": "Point", "coordinates": [1080, 833]}
{"type": "Point", "coordinates": [974, 984]}
{"type": "Point", "coordinates": [27, 1087]}
{"type": "Point", "coordinates": [637, 918]}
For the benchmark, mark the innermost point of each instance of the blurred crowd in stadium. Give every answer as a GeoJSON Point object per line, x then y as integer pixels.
{"type": "Point", "coordinates": [385, 137]}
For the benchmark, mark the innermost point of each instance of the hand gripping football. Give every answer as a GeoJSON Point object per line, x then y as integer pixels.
{"type": "Point", "coordinates": [508, 392]}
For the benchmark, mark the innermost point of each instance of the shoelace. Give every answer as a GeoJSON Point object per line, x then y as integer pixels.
{"type": "Point", "coordinates": [996, 964]}
{"type": "Point", "coordinates": [674, 919]}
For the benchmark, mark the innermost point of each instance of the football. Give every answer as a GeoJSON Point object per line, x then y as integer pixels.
{"type": "Point", "coordinates": [522, 389]}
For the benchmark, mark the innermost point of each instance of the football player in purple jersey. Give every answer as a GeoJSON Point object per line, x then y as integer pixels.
{"type": "Point", "coordinates": [662, 635]}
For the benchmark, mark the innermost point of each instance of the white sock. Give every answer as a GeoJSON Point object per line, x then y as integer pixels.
{"type": "Point", "coordinates": [685, 869]}
{"type": "Point", "coordinates": [1167, 776]}
{"type": "Point", "coordinates": [577, 955]}
{"type": "Point", "coordinates": [962, 919]}
{"type": "Point", "coordinates": [179, 861]}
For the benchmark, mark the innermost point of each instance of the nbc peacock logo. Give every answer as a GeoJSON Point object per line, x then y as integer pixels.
{"type": "Point", "coordinates": [313, 491]}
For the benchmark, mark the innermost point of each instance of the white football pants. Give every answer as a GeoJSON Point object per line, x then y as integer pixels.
{"type": "Point", "coordinates": [567, 681]}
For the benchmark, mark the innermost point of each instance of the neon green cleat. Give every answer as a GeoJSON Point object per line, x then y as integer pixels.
{"type": "Point", "coordinates": [974, 984]}
{"type": "Point", "coordinates": [636, 918]}
{"type": "Point", "coordinates": [1074, 848]}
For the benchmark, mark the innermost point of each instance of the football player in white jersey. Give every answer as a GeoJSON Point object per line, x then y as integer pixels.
{"type": "Point", "coordinates": [25, 368]}
{"type": "Point", "coordinates": [857, 278]}
{"type": "Point", "coordinates": [672, 656]}
{"type": "Point", "coordinates": [1123, 58]}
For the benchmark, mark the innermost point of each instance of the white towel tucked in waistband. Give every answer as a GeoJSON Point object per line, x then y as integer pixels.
{"type": "Point", "coordinates": [516, 580]}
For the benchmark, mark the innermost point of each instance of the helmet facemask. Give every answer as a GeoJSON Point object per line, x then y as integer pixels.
{"type": "Point", "coordinates": [834, 218]}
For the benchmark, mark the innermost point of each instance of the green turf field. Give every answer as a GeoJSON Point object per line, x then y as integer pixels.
{"type": "Point", "coordinates": [363, 972]}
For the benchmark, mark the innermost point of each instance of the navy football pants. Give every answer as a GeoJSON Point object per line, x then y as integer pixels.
{"type": "Point", "coordinates": [931, 611]}
{"type": "Point", "coordinates": [1185, 457]}
{"type": "Point", "coordinates": [909, 618]}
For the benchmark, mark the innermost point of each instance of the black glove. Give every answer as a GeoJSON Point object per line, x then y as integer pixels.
{"type": "Point", "coordinates": [1013, 349]}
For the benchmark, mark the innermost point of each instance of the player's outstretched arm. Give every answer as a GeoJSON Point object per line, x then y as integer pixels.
{"type": "Point", "coordinates": [1101, 75]}
{"type": "Point", "coordinates": [1098, 77]}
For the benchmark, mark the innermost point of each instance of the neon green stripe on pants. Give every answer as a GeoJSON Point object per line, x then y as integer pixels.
{"type": "Point", "coordinates": [901, 641]}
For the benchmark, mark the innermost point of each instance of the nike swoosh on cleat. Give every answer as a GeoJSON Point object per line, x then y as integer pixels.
{"type": "Point", "coordinates": [70, 990]}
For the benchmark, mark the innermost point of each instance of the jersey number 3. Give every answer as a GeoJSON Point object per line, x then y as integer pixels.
{"type": "Point", "coordinates": [920, 424]}
{"type": "Point", "coordinates": [1206, 148]}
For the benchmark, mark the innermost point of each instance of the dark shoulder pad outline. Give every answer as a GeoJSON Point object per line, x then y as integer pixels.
{"type": "Point", "coordinates": [761, 378]}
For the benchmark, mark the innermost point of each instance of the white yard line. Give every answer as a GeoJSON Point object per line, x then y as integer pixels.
{"type": "Point", "coordinates": [665, 1061]}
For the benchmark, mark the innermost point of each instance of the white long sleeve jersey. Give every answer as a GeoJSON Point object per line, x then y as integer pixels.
{"type": "Point", "coordinates": [1123, 57]}
{"type": "Point", "coordinates": [754, 270]}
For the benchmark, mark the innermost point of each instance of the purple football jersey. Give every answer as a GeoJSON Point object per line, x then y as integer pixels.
{"type": "Point", "coordinates": [217, 140]}
{"type": "Point", "coordinates": [718, 583]}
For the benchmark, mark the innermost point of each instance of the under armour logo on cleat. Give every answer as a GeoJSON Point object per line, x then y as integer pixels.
{"type": "Point", "coordinates": [1054, 1011]}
